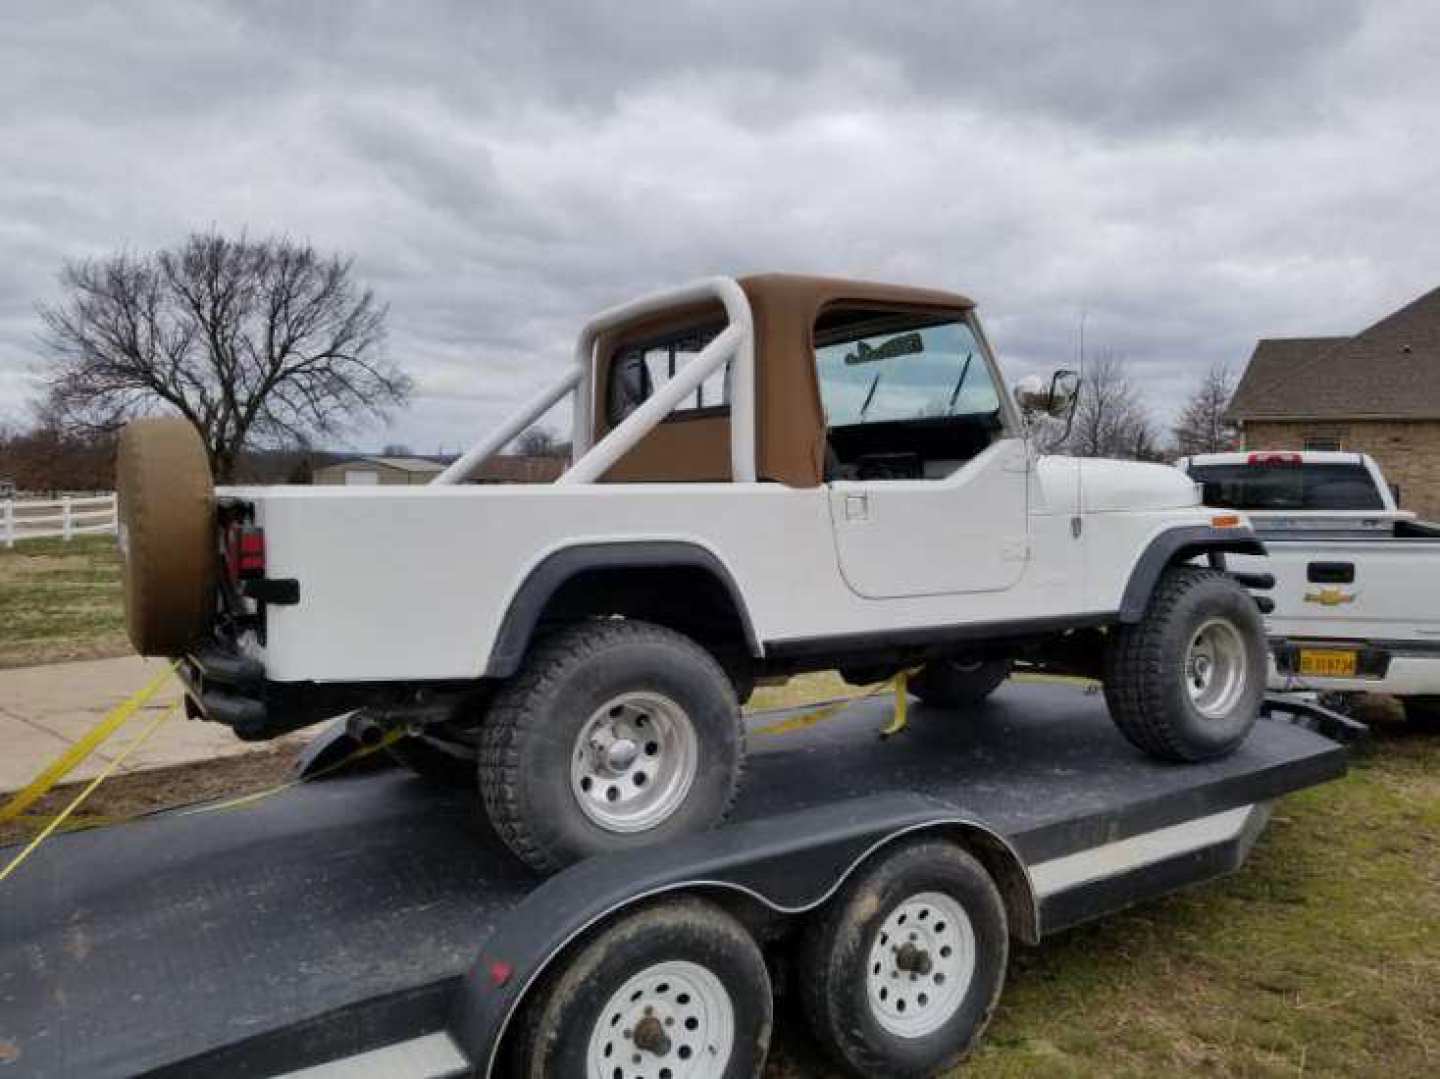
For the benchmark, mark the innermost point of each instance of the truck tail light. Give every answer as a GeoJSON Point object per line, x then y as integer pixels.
{"type": "Point", "coordinates": [1273, 459]}
{"type": "Point", "coordinates": [245, 551]}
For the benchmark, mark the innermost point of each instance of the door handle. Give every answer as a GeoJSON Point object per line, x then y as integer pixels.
{"type": "Point", "coordinates": [1330, 573]}
{"type": "Point", "coordinates": [857, 507]}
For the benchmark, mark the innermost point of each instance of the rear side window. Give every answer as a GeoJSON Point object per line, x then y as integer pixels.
{"type": "Point", "coordinates": [638, 369]}
{"type": "Point", "coordinates": [1288, 487]}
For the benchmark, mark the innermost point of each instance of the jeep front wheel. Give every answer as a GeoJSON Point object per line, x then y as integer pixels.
{"type": "Point", "coordinates": [615, 734]}
{"type": "Point", "coordinates": [1185, 683]}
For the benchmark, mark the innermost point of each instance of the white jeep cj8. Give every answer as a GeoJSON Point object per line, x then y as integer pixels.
{"type": "Point", "coordinates": [770, 475]}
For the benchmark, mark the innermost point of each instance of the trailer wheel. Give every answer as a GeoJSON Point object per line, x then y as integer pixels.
{"type": "Point", "coordinates": [615, 734]}
{"type": "Point", "coordinates": [1185, 683]}
{"type": "Point", "coordinates": [949, 683]}
{"type": "Point", "coordinates": [678, 991]}
{"type": "Point", "coordinates": [902, 970]}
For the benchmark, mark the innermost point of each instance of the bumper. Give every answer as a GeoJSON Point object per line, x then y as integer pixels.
{"type": "Point", "coordinates": [1381, 671]}
{"type": "Point", "coordinates": [225, 686]}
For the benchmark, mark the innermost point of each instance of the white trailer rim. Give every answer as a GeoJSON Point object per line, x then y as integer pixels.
{"type": "Point", "coordinates": [921, 965]}
{"type": "Point", "coordinates": [634, 762]}
{"type": "Point", "coordinates": [673, 1020]}
{"type": "Point", "coordinates": [1216, 668]}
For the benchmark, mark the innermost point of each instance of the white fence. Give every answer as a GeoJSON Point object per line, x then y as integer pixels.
{"type": "Point", "coordinates": [61, 518]}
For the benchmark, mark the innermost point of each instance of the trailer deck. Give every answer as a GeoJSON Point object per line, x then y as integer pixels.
{"type": "Point", "coordinates": [337, 919]}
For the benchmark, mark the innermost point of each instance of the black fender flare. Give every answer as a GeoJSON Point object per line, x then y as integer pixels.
{"type": "Point", "coordinates": [529, 600]}
{"type": "Point", "coordinates": [1179, 545]}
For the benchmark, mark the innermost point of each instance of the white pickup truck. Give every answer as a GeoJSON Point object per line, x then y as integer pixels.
{"type": "Point", "coordinates": [770, 475]}
{"type": "Point", "coordinates": [1357, 579]}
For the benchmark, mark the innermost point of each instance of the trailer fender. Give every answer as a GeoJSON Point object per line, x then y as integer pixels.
{"type": "Point", "coordinates": [555, 570]}
{"type": "Point", "coordinates": [788, 865]}
{"type": "Point", "coordinates": [1174, 546]}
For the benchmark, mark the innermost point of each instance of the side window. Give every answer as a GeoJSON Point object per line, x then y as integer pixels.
{"type": "Point", "coordinates": [906, 394]}
{"type": "Point", "coordinates": [638, 369]}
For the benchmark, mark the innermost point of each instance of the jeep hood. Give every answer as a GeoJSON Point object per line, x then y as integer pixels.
{"type": "Point", "coordinates": [1116, 486]}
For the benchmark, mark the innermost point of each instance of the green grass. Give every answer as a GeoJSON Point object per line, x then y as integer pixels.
{"type": "Point", "coordinates": [60, 601]}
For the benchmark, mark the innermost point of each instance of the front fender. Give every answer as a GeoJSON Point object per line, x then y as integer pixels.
{"type": "Point", "coordinates": [1177, 545]}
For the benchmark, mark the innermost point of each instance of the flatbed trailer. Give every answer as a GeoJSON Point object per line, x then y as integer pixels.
{"type": "Point", "coordinates": [369, 925]}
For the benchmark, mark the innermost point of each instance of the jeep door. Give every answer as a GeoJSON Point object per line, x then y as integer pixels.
{"type": "Point", "coordinates": [926, 471]}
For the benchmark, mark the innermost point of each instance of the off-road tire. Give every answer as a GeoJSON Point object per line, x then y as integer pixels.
{"type": "Point", "coordinates": [945, 683]}
{"type": "Point", "coordinates": [166, 534]}
{"type": "Point", "coordinates": [555, 1030]}
{"type": "Point", "coordinates": [1145, 667]}
{"type": "Point", "coordinates": [1422, 713]}
{"type": "Point", "coordinates": [533, 723]}
{"type": "Point", "coordinates": [433, 763]}
{"type": "Point", "coordinates": [836, 950]}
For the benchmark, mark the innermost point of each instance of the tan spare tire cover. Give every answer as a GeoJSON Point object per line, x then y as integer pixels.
{"type": "Point", "coordinates": [167, 534]}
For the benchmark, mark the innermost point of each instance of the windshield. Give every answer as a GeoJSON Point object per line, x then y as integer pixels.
{"type": "Point", "coordinates": [1288, 487]}
{"type": "Point", "coordinates": [902, 367]}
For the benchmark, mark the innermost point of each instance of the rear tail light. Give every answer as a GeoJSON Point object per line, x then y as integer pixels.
{"type": "Point", "coordinates": [245, 552]}
{"type": "Point", "coordinates": [1274, 459]}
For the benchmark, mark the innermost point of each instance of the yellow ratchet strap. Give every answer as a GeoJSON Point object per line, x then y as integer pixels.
{"type": "Point", "coordinates": [66, 763]}
{"type": "Point", "coordinates": [833, 708]}
{"type": "Point", "coordinates": [75, 803]}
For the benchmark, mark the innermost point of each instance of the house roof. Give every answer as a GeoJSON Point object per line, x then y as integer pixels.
{"type": "Point", "coordinates": [1389, 370]}
{"type": "Point", "coordinates": [401, 464]}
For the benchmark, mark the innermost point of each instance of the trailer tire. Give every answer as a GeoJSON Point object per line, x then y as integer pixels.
{"type": "Point", "coordinates": [1185, 683]}
{"type": "Point", "coordinates": [614, 734]}
{"type": "Point", "coordinates": [876, 1009]}
{"type": "Point", "coordinates": [684, 968]}
{"type": "Point", "coordinates": [166, 534]}
{"type": "Point", "coordinates": [948, 683]}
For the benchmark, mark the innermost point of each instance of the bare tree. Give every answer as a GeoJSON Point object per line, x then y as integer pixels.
{"type": "Point", "coordinates": [397, 449]}
{"type": "Point", "coordinates": [252, 341]}
{"type": "Point", "coordinates": [1110, 417]}
{"type": "Point", "coordinates": [1201, 426]}
{"type": "Point", "coordinates": [539, 441]}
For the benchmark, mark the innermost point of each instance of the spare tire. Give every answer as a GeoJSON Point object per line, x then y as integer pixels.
{"type": "Point", "coordinates": [166, 534]}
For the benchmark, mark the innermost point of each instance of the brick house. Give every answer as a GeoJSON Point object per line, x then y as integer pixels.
{"type": "Point", "coordinates": [1377, 393]}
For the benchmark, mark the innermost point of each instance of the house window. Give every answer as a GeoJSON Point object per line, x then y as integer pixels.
{"type": "Point", "coordinates": [1324, 438]}
{"type": "Point", "coordinates": [638, 369]}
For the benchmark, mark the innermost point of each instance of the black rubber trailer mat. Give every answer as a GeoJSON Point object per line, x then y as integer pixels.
{"type": "Point", "coordinates": [345, 915]}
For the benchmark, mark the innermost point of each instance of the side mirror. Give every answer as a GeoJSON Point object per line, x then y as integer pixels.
{"type": "Point", "coordinates": [1056, 399]}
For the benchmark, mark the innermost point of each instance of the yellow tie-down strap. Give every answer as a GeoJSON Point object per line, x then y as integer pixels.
{"type": "Point", "coordinates": [68, 761]}
{"type": "Point", "coordinates": [898, 721]}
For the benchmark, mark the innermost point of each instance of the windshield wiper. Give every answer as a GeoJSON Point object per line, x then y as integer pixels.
{"type": "Point", "coordinates": [959, 382]}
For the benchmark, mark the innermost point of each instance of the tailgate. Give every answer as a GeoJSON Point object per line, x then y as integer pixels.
{"type": "Point", "coordinates": [1383, 590]}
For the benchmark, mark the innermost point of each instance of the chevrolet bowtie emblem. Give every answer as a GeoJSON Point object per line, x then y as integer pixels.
{"type": "Point", "coordinates": [1330, 597]}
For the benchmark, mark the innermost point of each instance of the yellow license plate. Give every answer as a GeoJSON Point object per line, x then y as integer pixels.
{"type": "Point", "coordinates": [1327, 663]}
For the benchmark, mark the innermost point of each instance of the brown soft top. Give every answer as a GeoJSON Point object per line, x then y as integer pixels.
{"type": "Point", "coordinates": [789, 423]}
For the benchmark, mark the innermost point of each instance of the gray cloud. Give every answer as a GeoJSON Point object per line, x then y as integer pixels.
{"type": "Point", "coordinates": [1189, 176]}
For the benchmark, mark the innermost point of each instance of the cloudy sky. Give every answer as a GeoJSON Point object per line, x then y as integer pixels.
{"type": "Point", "coordinates": [1192, 176]}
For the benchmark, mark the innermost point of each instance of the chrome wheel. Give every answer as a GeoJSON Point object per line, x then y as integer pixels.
{"type": "Point", "coordinates": [634, 762]}
{"type": "Point", "coordinates": [673, 1020]}
{"type": "Point", "coordinates": [921, 965]}
{"type": "Point", "coordinates": [1216, 668]}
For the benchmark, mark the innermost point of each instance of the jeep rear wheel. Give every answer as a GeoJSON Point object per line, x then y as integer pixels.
{"type": "Point", "coordinates": [614, 735]}
{"type": "Point", "coordinates": [1185, 683]}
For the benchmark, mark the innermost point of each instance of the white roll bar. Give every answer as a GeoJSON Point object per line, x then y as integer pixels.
{"type": "Point", "coordinates": [736, 345]}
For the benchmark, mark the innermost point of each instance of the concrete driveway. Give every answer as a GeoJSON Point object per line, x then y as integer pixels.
{"type": "Point", "coordinates": [43, 710]}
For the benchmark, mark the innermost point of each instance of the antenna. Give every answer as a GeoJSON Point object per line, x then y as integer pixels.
{"type": "Point", "coordinates": [1077, 522]}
